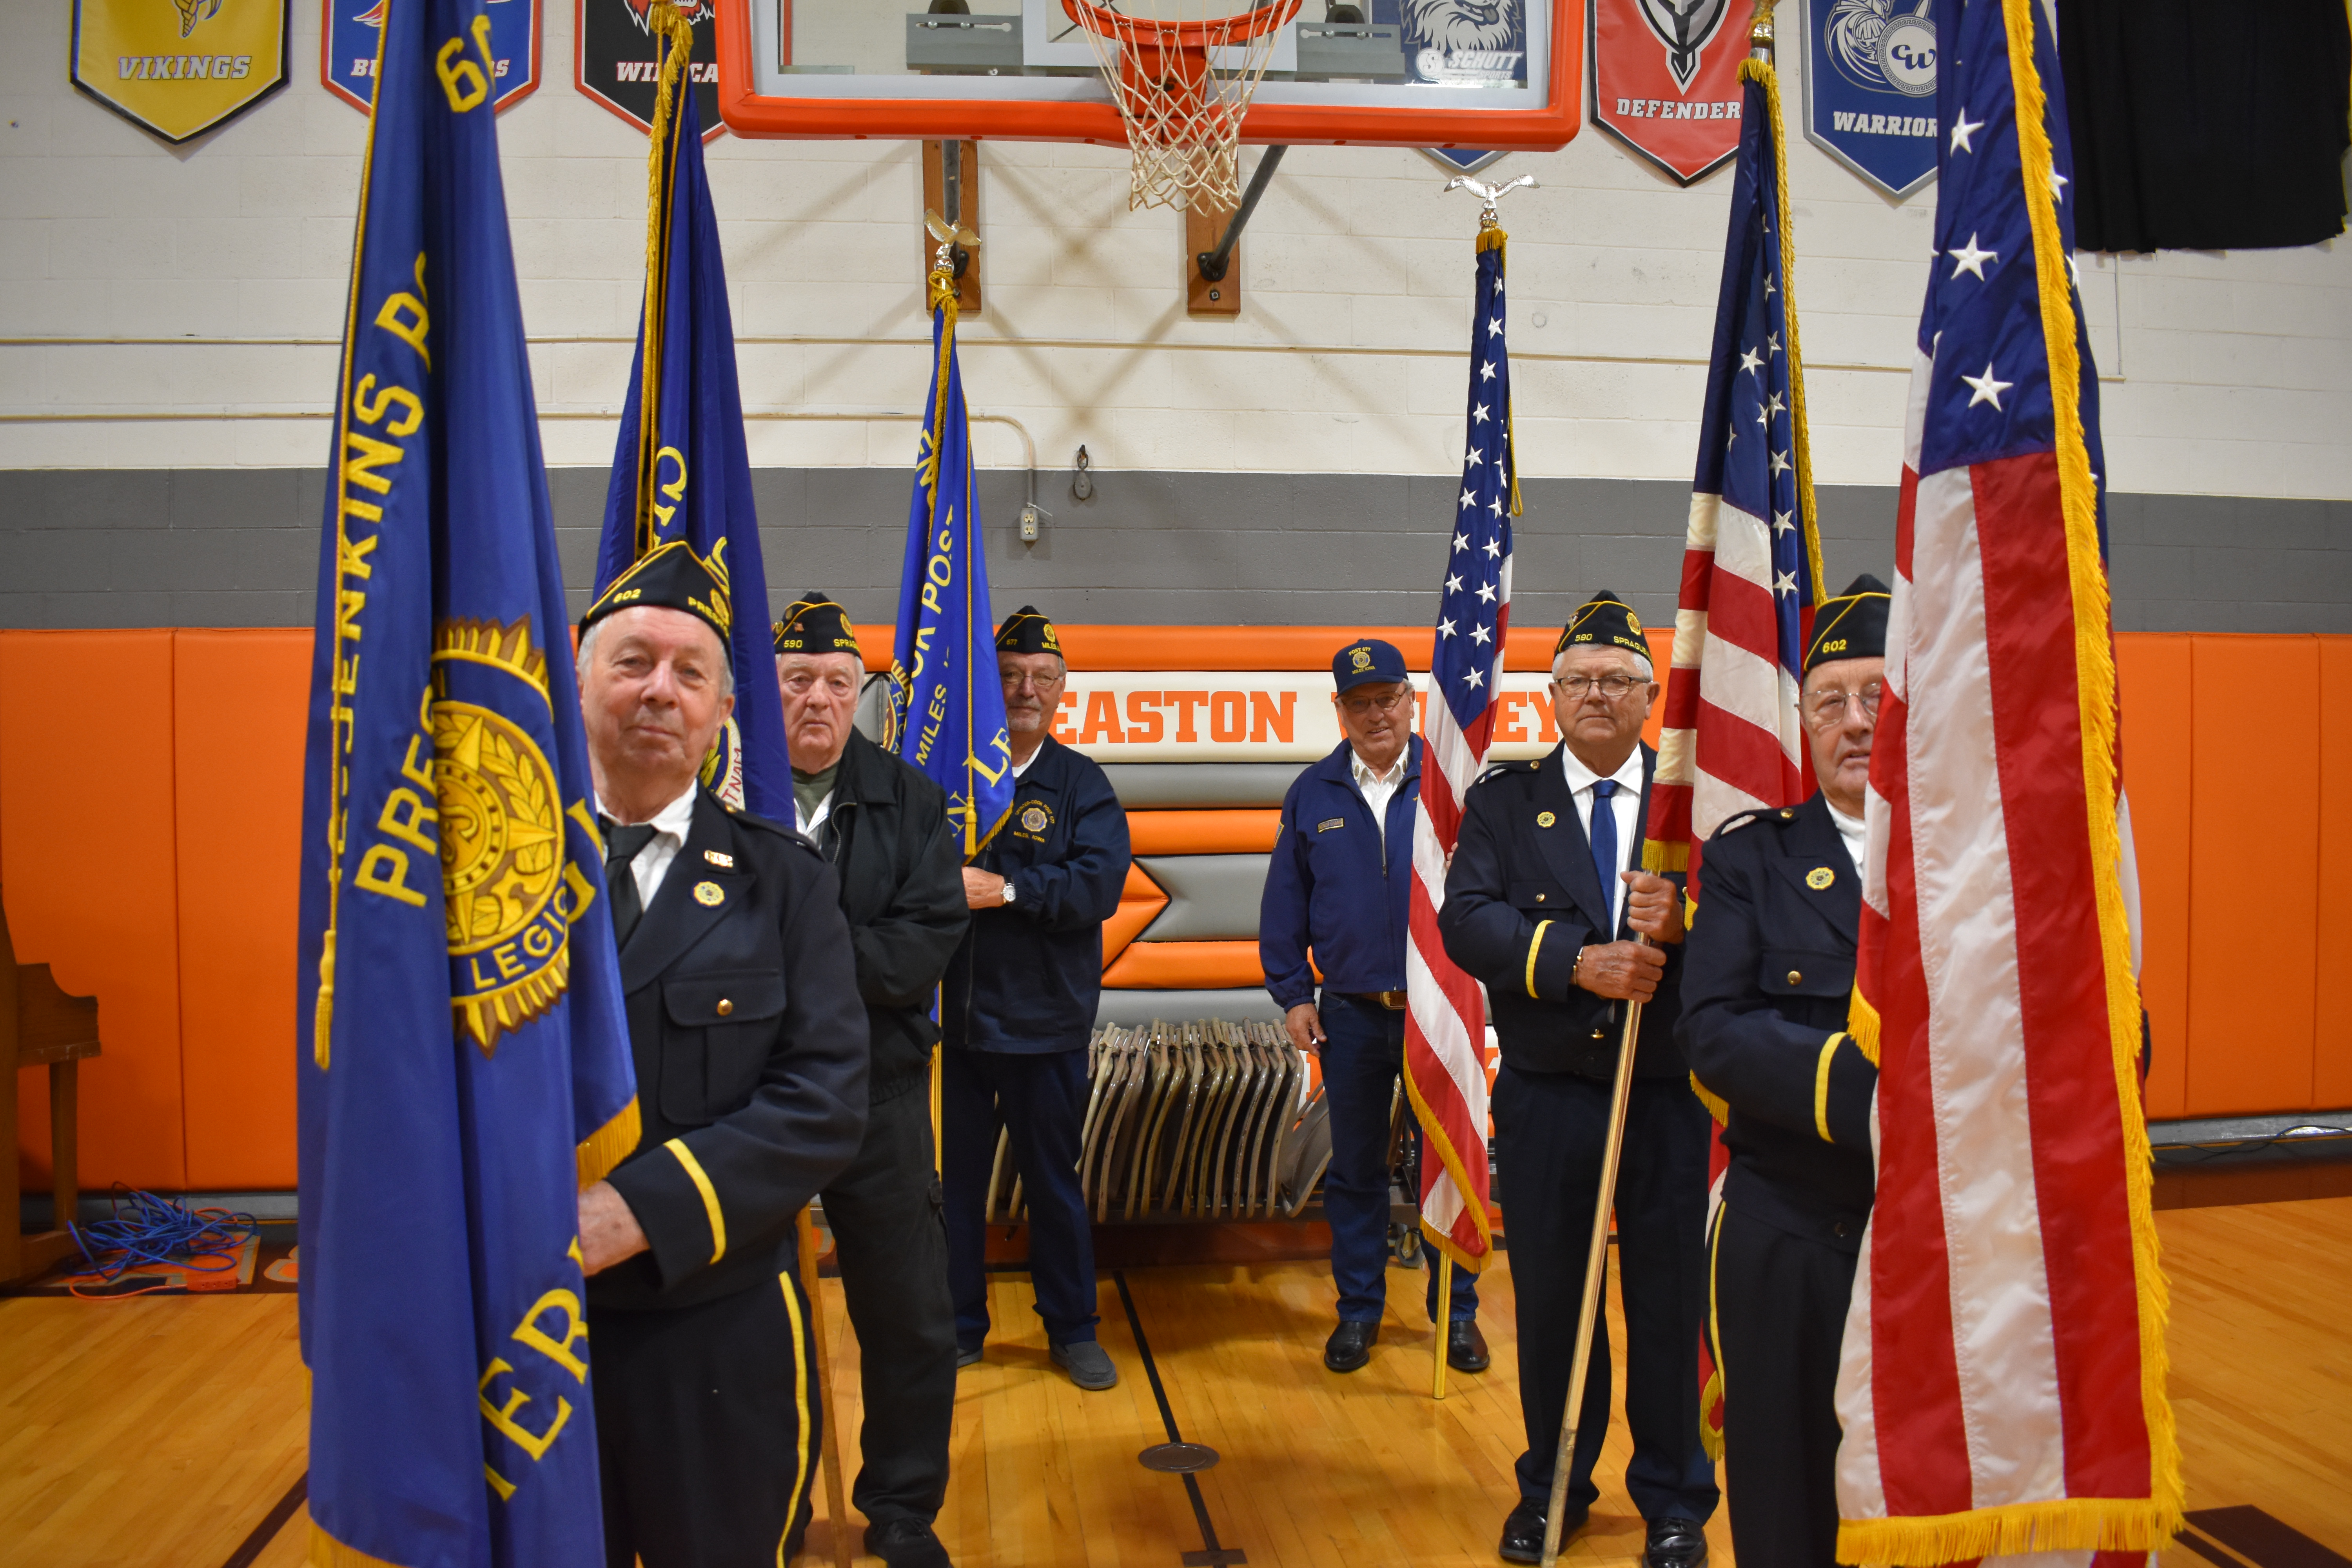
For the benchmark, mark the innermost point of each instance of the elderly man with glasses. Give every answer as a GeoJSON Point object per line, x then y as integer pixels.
{"type": "Point", "coordinates": [1340, 884]}
{"type": "Point", "coordinates": [1546, 903]}
{"type": "Point", "coordinates": [1767, 973]}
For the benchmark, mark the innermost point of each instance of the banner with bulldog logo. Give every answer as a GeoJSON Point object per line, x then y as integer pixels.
{"type": "Point", "coordinates": [349, 29]}
{"type": "Point", "coordinates": [613, 57]}
{"type": "Point", "coordinates": [179, 67]}
{"type": "Point", "coordinates": [1870, 88]}
{"type": "Point", "coordinates": [1666, 79]}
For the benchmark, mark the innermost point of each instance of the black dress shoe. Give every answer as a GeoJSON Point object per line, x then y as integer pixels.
{"type": "Point", "coordinates": [1350, 1346]}
{"type": "Point", "coordinates": [1675, 1543]}
{"type": "Point", "coordinates": [1465, 1347]}
{"type": "Point", "coordinates": [1523, 1532]}
{"type": "Point", "coordinates": [905, 1542]}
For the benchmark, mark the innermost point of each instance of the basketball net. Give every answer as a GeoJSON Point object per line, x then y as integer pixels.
{"type": "Point", "coordinates": [1183, 73]}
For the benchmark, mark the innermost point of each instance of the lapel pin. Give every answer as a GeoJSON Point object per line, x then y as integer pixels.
{"type": "Point", "coordinates": [708, 894]}
{"type": "Point", "coordinates": [1820, 876]}
{"type": "Point", "coordinates": [724, 862]}
{"type": "Point", "coordinates": [1545, 819]}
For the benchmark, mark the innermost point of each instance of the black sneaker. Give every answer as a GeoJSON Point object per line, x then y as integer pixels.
{"type": "Point", "coordinates": [905, 1542]}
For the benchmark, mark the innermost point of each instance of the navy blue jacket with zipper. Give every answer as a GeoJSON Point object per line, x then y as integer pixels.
{"type": "Point", "coordinates": [1029, 973]}
{"type": "Point", "coordinates": [1334, 886]}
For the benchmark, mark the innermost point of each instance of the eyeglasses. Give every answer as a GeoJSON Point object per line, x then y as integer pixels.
{"type": "Point", "coordinates": [1359, 706]}
{"type": "Point", "coordinates": [1823, 709]}
{"type": "Point", "coordinates": [1612, 687]}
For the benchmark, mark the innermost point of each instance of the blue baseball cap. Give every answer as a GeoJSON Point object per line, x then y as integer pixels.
{"type": "Point", "coordinates": [1364, 661]}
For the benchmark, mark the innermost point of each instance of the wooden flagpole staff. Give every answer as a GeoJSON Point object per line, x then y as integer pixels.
{"type": "Point", "coordinates": [1596, 1262]}
{"type": "Point", "coordinates": [836, 1503]}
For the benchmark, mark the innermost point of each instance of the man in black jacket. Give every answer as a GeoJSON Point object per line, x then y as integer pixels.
{"type": "Point", "coordinates": [1020, 1002]}
{"type": "Point", "coordinates": [885, 828]}
{"type": "Point", "coordinates": [750, 1048]}
{"type": "Point", "coordinates": [1544, 903]}
{"type": "Point", "coordinates": [1768, 972]}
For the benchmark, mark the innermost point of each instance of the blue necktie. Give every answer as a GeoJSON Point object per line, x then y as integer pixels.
{"type": "Point", "coordinates": [1604, 847]}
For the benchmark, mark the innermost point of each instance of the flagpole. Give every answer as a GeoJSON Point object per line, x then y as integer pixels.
{"type": "Point", "coordinates": [837, 1504]}
{"type": "Point", "coordinates": [1444, 1267]}
{"type": "Point", "coordinates": [1596, 1259]}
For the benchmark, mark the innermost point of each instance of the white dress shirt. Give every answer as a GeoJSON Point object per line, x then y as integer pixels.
{"type": "Point", "coordinates": [1379, 788]}
{"type": "Point", "coordinates": [1851, 830]}
{"type": "Point", "coordinates": [1627, 804]}
{"type": "Point", "coordinates": [670, 826]}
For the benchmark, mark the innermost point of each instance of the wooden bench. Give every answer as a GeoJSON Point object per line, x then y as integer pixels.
{"type": "Point", "coordinates": [40, 1025]}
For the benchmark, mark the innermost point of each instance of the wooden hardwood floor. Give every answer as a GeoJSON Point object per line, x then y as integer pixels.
{"type": "Point", "coordinates": [162, 1432]}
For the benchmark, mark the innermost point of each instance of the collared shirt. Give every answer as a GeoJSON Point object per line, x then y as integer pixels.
{"type": "Point", "coordinates": [670, 827]}
{"type": "Point", "coordinates": [1627, 806]}
{"type": "Point", "coordinates": [1021, 768]}
{"type": "Point", "coordinates": [1378, 788]}
{"type": "Point", "coordinates": [1851, 829]}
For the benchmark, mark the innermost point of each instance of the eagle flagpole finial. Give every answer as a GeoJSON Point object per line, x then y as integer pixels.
{"type": "Point", "coordinates": [1489, 194]}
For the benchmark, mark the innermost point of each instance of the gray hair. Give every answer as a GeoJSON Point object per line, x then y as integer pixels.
{"type": "Point", "coordinates": [588, 653]}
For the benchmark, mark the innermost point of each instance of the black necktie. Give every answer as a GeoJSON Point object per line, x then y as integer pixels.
{"type": "Point", "coordinates": [621, 847]}
{"type": "Point", "coordinates": [1604, 842]}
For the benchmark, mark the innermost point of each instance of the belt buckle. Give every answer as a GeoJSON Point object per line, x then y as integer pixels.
{"type": "Point", "coordinates": [1395, 1001]}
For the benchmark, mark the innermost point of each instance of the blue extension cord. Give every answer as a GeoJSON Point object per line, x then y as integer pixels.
{"type": "Point", "coordinates": [156, 1230]}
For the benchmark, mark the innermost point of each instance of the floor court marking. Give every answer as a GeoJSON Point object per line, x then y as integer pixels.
{"type": "Point", "coordinates": [271, 1524]}
{"type": "Point", "coordinates": [2254, 1537]}
{"type": "Point", "coordinates": [1211, 1554]}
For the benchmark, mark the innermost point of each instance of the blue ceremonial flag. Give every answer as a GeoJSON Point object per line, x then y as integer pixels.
{"type": "Point", "coordinates": [465, 1066]}
{"type": "Point", "coordinates": [948, 705]}
{"type": "Point", "coordinates": [686, 473]}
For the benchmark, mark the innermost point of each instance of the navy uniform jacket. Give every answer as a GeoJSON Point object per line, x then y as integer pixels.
{"type": "Point", "coordinates": [750, 1047]}
{"type": "Point", "coordinates": [1333, 887]}
{"type": "Point", "coordinates": [1767, 973]}
{"type": "Point", "coordinates": [1522, 897]}
{"type": "Point", "coordinates": [1029, 973]}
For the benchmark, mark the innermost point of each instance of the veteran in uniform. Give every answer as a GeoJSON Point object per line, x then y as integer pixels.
{"type": "Point", "coordinates": [751, 1048]}
{"type": "Point", "coordinates": [1019, 1005]}
{"type": "Point", "coordinates": [1767, 973]}
{"type": "Point", "coordinates": [885, 828]}
{"type": "Point", "coordinates": [1544, 901]}
{"type": "Point", "coordinates": [1340, 882]}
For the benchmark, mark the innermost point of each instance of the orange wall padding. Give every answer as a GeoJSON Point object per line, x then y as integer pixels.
{"type": "Point", "coordinates": [1243, 832]}
{"type": "Point", "coordinates": [150, 809]}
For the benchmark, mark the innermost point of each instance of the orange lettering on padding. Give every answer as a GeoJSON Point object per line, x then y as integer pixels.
{"type": "Point", "coordinates": [1222, 703]}
{"type": "Point", "coordinates": [1102, 721]}
{"type": "Point", "coordinates": [1269, 721]}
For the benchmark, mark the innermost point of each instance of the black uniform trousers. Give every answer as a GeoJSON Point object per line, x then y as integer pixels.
{"type": "Point", "coordinates": [1780, 1313]}
{"type": "Point", "coordinates": [1040, 1101]}
{"type": "Point", "coordinates": [1549, 1130]}
{"type": "Point", "coordinates": [707, 1427]}
{"type": "Point", "coordinates": [886, 1214]}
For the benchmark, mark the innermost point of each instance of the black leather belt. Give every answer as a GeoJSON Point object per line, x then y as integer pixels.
{"type": "Point", "coordinates": [1395, 1001]}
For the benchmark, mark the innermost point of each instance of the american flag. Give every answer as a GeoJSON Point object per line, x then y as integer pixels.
{"type": "Point", "coordinates": [1752, 573]}
{"type": "Point", "coordinates": [1729, 740]}
{"type": "Point", "coordinates": [1446, 1024]}
{"type": "Point", "coordinates": [2002, 1390]}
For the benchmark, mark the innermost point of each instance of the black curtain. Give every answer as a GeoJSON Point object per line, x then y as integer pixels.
{"type": "Point", "coordinates": [2206, 124]}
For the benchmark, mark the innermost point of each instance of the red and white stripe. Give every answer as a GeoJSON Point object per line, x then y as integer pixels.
{"type": "Point", "coordinates": [1445, 1020]}
{"type": "Point", "coordinates": [1729, 740]}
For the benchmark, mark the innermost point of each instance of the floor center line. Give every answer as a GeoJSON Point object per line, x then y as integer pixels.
{"type": "Point", "coordinates": [1212, 1553]}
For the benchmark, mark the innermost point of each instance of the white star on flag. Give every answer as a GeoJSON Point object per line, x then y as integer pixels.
{"type": "Point", "coordinates": [1968, 258]}
{"type": "Point", "coordinates": [1988, 389]}
{"type": "Point", "coordinates": [1750, 360]}
{"type": "Point", "coordinates": [1962, 129]}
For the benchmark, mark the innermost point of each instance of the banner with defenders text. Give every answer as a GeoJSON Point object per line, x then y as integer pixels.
{"type": "Point", "coordinates": [2002, 1390]}
{"type": "Point", "coordinates": [465, 1066]}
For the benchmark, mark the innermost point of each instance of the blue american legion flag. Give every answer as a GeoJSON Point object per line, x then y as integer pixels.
{"type": "Point", "coordinates": [1445, 1021]}
{"type": "Point", "coordinates": [464, 1066]}
{"type": "Point", "coordinates": [948, 705]}
{"type": "Point", "coordinates": [685, 472]}
{"type": "Point", "coordinates": [1729, 739]}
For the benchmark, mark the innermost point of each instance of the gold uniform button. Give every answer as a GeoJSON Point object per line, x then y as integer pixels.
{"type": "Point", "coordinates": [725, 1006]}
{"type": "Point", "coordinates": [1794, 977]}
{"type": "Point", "coordinates": [1599, 1035]}
{"type": "Point", "coordinates": [1539, 897]}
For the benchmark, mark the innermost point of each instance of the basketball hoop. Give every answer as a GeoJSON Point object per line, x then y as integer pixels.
{"type": "Point", "coordinates": [1183, 80]}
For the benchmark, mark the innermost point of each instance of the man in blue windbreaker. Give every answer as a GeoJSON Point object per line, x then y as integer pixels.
{"type": "Point", "coordinates": [1339, 887]}
{"type": "Point", "coordinates": [1019, 1003]}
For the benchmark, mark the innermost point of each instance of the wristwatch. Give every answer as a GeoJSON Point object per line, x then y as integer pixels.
{"type": "Point", "coordinates": [1008, 889]}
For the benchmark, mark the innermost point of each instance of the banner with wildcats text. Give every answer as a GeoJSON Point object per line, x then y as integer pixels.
{"type": "Point", "coordinates": [1665, 80]}
{"type": "Point", "coordinates": [613, 59]}
{"type": "Point", "coordinates": [1870, 88]}
{"type": "Point", "coordinates": [178, 68]}
{"type": "Point", "coordinates": [348, 31]}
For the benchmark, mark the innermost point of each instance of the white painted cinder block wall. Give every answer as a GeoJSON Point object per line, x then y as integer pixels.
{"type": "Point", "coordinates": [2227, 374]}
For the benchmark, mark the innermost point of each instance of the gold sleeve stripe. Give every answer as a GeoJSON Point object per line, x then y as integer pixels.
{"type": "Point", "coordinates": [701, 1181]}
{"type": "Point", "coordinates": [799, 1412]}
{"type": "Point", "coordinates": [1821, 1088]}
{"type": "Point", "coordinates": [1535, 946]}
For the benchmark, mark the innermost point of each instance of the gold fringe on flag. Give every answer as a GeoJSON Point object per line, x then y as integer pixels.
{"type": "Point", "coordinates": [674, 43]}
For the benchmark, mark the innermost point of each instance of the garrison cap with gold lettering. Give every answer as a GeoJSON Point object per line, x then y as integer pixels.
{"type": "Point", "coordinates": [672, 577]}
{"type": "Point", "coordinates": [1852, 625]}
{"type": "Point", "coordinates": [1027, 631]}
{"type": "Point", "coordinates": [1603, 621]}
{"type": "Point", "coordinates": [815, 623]}
{"type": "Point", "coordinates": [1366, 660]}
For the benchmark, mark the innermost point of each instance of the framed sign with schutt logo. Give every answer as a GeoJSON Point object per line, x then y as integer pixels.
{"type": "Point", "coordinates": [179, 67]}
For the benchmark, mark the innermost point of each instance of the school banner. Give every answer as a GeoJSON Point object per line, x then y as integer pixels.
{"type": "Point", "coordinates": [1870, 88]}
{"type": "Point", "coordinates": [179, 67]}
{"type": "Point", "coordinates": [1665, 80]}
{"type": "Point", "coordinates": [615, 62]}
{"type": "Point", "coordinates": [348, 31]}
